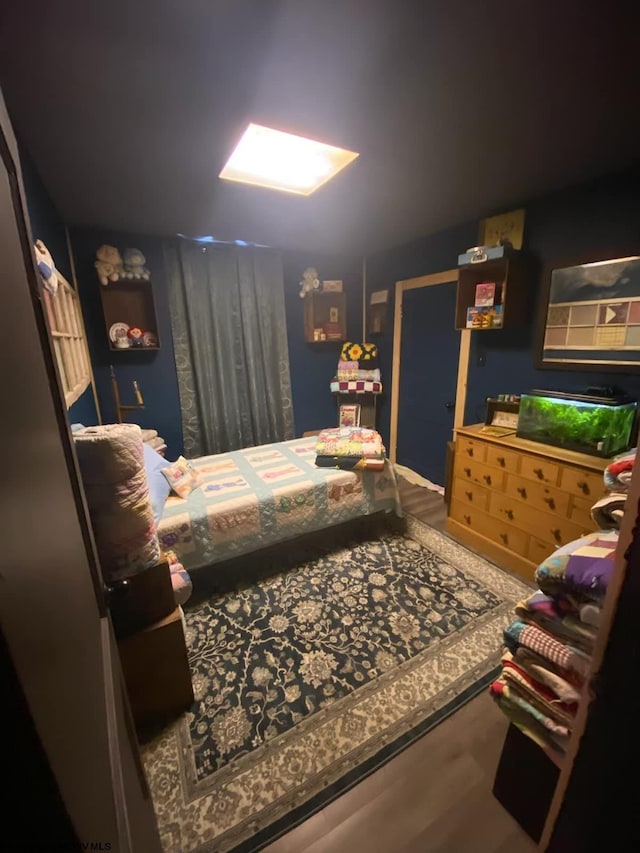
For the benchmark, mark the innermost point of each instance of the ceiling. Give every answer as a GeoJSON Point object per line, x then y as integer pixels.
{"type": "Point", "coordinates": [458, 108]}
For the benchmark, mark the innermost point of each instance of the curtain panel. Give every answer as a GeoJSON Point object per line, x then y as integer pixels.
{"type": "Point", "coordinates": [230, 341]}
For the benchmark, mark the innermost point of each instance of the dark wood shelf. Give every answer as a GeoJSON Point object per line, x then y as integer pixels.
{"type": "Point", "coordinates": [131, 302]}
{"type": "Point", "coordinates": [319, 306]}
{"type": "Point", "coordinates": [511, 277]}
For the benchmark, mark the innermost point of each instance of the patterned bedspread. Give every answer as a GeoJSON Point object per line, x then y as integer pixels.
{"type": "Point", "coordinates": [258, 496]}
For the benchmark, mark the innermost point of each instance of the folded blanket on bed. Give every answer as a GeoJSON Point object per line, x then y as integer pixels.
{"type": "Point", "coordinates": [582, 567]}
{"type": "Point", "coordinates": [608, 512]}
{"type": "Point", "coordinates": [350, 441]}
{"type": "Point", "coordinates": [115, 483]}
{"type": "Point", "coordinates": [617, 475]}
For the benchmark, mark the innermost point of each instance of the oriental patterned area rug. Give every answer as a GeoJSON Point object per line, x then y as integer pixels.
{"type": "Point", "coordinates": [308, 681]}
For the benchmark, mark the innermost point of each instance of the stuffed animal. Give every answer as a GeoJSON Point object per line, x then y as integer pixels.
{"type": "Point", "coordinates": [46, 267]}
{"type": "Point", "coordinates": [108, 264]}
{"type": "Point", "coordinates": [310, 282]}
{"type": "Point", "coordinates": [134, 264]}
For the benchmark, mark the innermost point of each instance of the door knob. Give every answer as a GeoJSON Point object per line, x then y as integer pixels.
{"type": "Point", "coordinates": [449, 406]}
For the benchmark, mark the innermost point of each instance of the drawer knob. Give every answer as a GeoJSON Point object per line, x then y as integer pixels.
{"type": "Point", "coordinates": [487, 479]}
{"type": "Point", "coordinates": [505, 538]}
{"type": "Point", "coordinates": [550, 502]}
{"type": "Point", "coordinates": [467, 471]}
{"type": "Point", "coordinates": [467, 518]}
{"type": "Point", "coordinates": [557, 535]}
{"type": "Point", "coordinates": [584, 487]}
{"type": "Point", "coordinates": [539, 473]}
{"type": "Point", "coordinates": [509, 514]}
{"type": "Point", "coordinates": [501, 461]}
{"type": "Point", "coordinates": [470, 451]}
{"type": "Point", "coordinates": [522, 492]}
{"type": "Point", "coordinates": [469, 495]}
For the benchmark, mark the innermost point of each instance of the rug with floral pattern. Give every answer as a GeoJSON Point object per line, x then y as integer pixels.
{"type": "Point", "coordinates": [306, 681]}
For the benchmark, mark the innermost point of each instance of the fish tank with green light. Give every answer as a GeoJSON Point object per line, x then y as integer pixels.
{"type": "Point", "coordinates": [601, 426]}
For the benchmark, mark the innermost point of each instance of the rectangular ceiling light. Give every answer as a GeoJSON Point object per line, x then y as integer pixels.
{"type": "Point", "coordinates": [281, 161]}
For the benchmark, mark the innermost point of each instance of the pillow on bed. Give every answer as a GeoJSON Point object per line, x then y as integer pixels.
{"type": "Point", "coordinates": [159, 487]}
{"type": "Point", "coordinates": [182, 477]}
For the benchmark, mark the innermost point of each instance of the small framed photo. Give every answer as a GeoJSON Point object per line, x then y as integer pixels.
{"type": "Point", "coordinates": [334, 315]}
{"type": "Point", "coordinates": [350, 415]}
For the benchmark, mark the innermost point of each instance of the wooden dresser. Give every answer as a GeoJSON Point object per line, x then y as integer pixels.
{"type": "Point", "coordinates": [516, 501]}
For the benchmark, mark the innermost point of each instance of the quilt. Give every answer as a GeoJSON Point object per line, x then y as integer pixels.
{"type": "Point", "coordinates": [259, 496]}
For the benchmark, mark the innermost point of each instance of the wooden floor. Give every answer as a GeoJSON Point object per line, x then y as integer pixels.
{"type": "Point", "coordinates": [434, 796]}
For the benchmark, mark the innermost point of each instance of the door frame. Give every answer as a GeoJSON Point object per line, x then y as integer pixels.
{"type": "Point", "coordinates": [446, 277]}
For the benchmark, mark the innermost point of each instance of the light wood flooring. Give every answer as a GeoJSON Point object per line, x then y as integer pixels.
{"type": "Point", "coordinates": [435, 797]}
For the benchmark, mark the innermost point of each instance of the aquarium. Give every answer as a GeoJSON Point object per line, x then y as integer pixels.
{"type": "Point", "coordinates": [602, 426]}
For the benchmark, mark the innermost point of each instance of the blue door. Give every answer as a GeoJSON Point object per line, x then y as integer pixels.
{"type": "Point", "coordinates": [428, 378]}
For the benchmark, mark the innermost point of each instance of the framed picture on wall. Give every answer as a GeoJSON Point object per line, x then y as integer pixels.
{"type": "Point", "coordinates": [349, 415]}
{"type": "Point", "coordinates": [590, 314]}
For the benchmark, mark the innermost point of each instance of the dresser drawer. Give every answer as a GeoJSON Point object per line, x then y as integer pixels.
{"type": "Point", "coordinates": [540, 470]}
{"type": "Point", "coordinates": [493, 528]}
{"type": "Point", "coordinates": [580, 512]}
{"type": "Point", "coordinates": [548, 498]}
{"type": "Point", "coordinates": [470, 471]}
{"type": "Point", "coordinates": [470, 493]}
{"type": "Point", "coordinates": [539, 550]}
{"type": "Point", "coordinates": [546, 526]}
{"type": "Point", "coordinates": [468, 448]}
{"type": "Point", "coordinates": [586, 484]}
{"type": "Point", "coordinates": [504, 459]}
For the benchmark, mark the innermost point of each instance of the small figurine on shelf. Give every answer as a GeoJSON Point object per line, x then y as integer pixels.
{"type": "Point", "coordinates": [108, 264]}
{"type": "Point", "coordinates": [310, 281]}
{"type": "Point", "coordinates": [136, 336]}
{"type": "Point", "coordinates": [134, 267]}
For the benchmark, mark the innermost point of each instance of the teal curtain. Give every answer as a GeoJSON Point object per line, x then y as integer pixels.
{"type": "Point", "coordinates": [230, 341]}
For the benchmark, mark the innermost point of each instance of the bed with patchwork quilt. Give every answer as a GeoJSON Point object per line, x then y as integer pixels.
{"type": "Point", "coordinates": [256, 497]}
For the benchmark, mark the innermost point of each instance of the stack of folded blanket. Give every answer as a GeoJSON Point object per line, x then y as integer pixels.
{"type": "Point", "coordinates": [609, 510]}
{"type": "Point", "coordinates": [549, 645]}
{"type": "Point", "coordinates": [350, 448]}
{"type": "Point", "coordinates": [358, 370]}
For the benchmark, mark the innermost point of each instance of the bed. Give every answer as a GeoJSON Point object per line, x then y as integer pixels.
{"type": "Point", "coordinates": [259, 496]}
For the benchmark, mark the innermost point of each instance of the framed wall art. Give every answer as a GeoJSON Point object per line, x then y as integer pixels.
{"type": "Point", "coordinates": [590, 314]}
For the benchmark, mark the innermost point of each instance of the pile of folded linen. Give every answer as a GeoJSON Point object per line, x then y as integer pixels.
{"type": "Point", "coordinates": [350, 448]}
{"type": "Point", "coordinates": [549, 645]}
{"type": "Point", "coordinates": [608, 512]}
{"type": "Point", "coordinates": [358, 371]}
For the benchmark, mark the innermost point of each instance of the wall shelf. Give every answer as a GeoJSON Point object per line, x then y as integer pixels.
{"type": "Point", "coordinates": [510, 274]}
{"type": "Point", "coordinates": [326, 310]}
{"type": "Point", "coordinates": [130, 302]}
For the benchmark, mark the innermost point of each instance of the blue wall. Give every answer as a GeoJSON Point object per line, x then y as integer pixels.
{"type": "Point", "coordinates": [314, 364]}
{"type": "Point", "coordinates": [602, 215]}
{"type": "Point", "coordinates": [155, 371]}
{"type": "Point", "coordinates": [47, 225]}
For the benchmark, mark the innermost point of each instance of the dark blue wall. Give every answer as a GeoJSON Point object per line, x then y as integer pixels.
{"type": "Point", "coordinates": [155, 371]}
{"type": "Point", "coordinates": [314, 364]}
{"type": "Point", "coordinates": [47, 225]}
{"type": "Point", "coordinates": [604, 214]}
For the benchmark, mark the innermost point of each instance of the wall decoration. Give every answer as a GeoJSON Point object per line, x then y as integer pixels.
{"type": "Point", "coordinates": [310, 281]}
{"type": "Point", "coordinates": [590, 314]}
{"type": "Point", "coordinates": [504, 229]}
{"type": "Point", "coordinates": [108, 264]}
{"type": "Point", "coordinates": [332, 286]}
{"type": "Point", "coordinates": [349, 415]}
{"type": "Point", "coordinates": [378, 311]}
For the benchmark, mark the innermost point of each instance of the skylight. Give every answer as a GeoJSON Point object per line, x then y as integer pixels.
{"type": "Point", "coordinates": [282, 161]}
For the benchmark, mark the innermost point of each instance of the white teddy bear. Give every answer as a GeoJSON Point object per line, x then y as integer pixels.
{"type": "Point", "coordinates": [310, 281]}
{"type": "Point", "coordinates": [108, 264]}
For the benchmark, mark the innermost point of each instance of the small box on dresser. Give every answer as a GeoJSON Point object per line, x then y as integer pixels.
{"type": "Point", "coordinates": [515, 501]}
